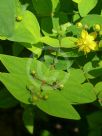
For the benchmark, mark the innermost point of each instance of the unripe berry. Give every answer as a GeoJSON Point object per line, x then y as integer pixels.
{"type": "Point", "coordinates": [79, 24]}
{"type": "Point", "coordinates": [19, 18]}
{"type": "Point", "coordinates": [34, 98]}
{"type": "Point", "coordinates": [33, 73]}
{"type": "Point", "coordinates": [97, 27]}
{"type": "Point", "coordinates": [45, 97]}
{"type": "Point", "coordinates": [61, 86]}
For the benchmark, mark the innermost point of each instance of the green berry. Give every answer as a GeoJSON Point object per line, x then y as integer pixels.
{"type": "Point", "coordinates": [45, 97]}
{"type": "Point", "coordinates": [34, 98]}
{"type": "Point", "coordinates": [19, 18]}
{"type": "Point", "coordinates": [33, 73]}
{"type": "Point", "coordinates": [61, 86]}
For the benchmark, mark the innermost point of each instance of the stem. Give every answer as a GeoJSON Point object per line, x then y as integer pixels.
{"type": "Point", "coordinates": [58, 51]}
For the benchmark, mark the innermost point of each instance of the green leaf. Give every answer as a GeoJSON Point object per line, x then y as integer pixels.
{"type": "Point", "coordinates": [87, 68]}
{"type": "Point", "coordinates": [34, 48]}
{"type": "Point", "coordinates": [58, 106]}
{"type": "Point", "coordinates": [75, 30]}
{"type": "Point", "coordinates": [67, 42]}
{"type": "Point", "coordinates": [14, 64]}
{"type": "Point", "coordinates": [46, 26]}
{"type": "Point", "coordinates": [28, 118]}
{"type": "Point", "coordinates": [45, 7]}
{"type": "Point", "coordinates": [52, 25]}
{"type": "Point", "coordinates": [27, 30]}
{"type": "Point", "coordinates": [16, 85]}
{"type": "Point", "coordinates": [77, 93]}
{"type": "Point", "coordinates": [77, 74]}
{"type": "Point", "coordinates": [49, 81]}
{"type": "Point", "coordinates": [55, 5]}
{"type": "Point", "coordinates": [50, 41]}
{"type": "Point", "coordinates": [60, 64]}
{"type": "Point", "coordinates": [77, 1]}
{"type": "Point", "coordinates": [98, 90]}
{"type": "Point", "coordinates": [70, 53]}
{"type": "Point", "coordinates": [7, 17]}
{"type": "Point", "coordinates": [98, 87]}
{"type": "Point", "coordinates": [86, 6]}
{"type": "Point", "coordinates": [96, 72]}
{"type": "Point", "coordinates": [90, 20]}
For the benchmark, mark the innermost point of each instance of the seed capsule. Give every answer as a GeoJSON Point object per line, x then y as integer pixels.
{"type": "Point", "coordinates": [19, 18]}
{"type": "Point", "coordinates": [97, 27]}
{"type": "Point", "coordinates": [79, 24]}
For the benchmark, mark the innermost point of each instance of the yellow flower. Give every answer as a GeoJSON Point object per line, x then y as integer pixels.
{"type": "Point", "coordinates": [87, 41]}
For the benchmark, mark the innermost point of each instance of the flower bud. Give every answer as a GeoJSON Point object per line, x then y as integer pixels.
{"type": "Point", "coordinates": [86, 26]}
{"type": "Point", "coordinates": [97, 27]}
{"type": "Point", "coordinates": [79, 24]}
{"type": "Point", "coordinates": [100, 33]}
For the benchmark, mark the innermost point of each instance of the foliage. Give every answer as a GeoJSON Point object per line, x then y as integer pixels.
{"type": "Point", "coordinates": [50, 52]}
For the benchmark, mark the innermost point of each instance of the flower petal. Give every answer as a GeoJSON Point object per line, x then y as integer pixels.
{"type": "Point", "coordinates": [93, 45]}
{"type": "Point", "coordinates": [94, 35]}
{"type": "Point", "coordinates": [86, 50]}
{"type": "Point", "coordinates": [84, 34]}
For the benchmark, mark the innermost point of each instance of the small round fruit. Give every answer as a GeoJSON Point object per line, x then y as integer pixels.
{"type": "Point", "coordinates": [33, 73]}
{"type": "Point", "coordinates": [19, 18]}
{"type": "Point", "coordinates": [34, 98]}
{"type": "Point", "coordinates": [46, 97]}
{"type": "Point", "coordinates": [61, 86]}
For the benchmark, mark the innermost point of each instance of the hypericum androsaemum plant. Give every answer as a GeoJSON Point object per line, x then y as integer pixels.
{"type": "Point", "coordinates": [63, 67]}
